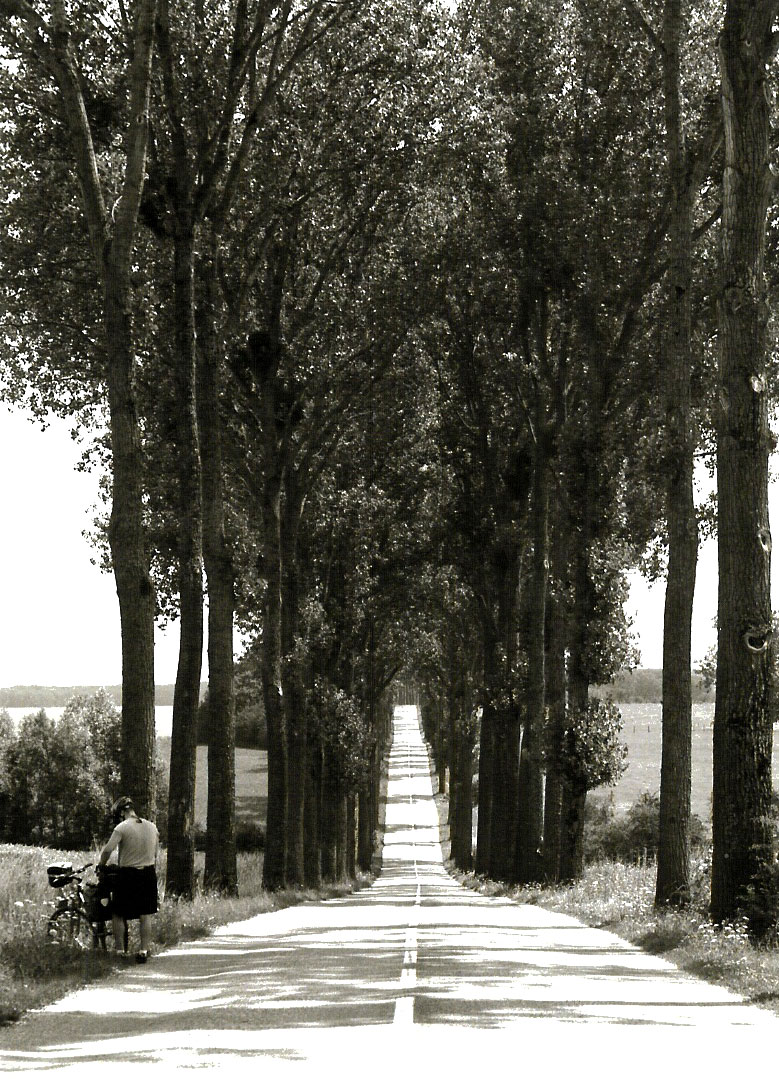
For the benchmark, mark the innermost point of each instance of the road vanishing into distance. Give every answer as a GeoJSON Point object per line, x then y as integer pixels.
{"type": "Point", "coordinates": [415, 975]}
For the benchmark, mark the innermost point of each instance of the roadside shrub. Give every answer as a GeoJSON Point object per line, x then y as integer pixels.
{"type": "Point", "coordinates": [59, 778]}
{"type": "Point", "coordinates": [760, 903]}
{"type": "Point", "coordinates": [249, 837]}
{"type": "Point", "coordinates": [632, 836]}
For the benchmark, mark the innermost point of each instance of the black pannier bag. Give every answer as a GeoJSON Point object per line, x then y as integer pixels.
{"type": "Point", "coordinates": [98, 906]}
{"type": "Point", "coordinates": [106, 882]}
{"type": "Point", "coordinates": [60, 874]}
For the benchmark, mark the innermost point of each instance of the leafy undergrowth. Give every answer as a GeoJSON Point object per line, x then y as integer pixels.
{"type": "Point", "coordinates": [34, 972]}
{"type": "Point", "coordinates": [620, 898]}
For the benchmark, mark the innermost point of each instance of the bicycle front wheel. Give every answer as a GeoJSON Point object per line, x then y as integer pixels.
{"type": "Point", "coordinates": [71, 926]}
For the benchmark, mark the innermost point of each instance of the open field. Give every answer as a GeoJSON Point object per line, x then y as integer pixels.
{"type": "Point", "coordinates": [251, 782]}
{"type": "Point", "coordinates": [642, 732]}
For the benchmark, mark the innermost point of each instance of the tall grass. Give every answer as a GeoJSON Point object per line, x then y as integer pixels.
{"type": "Point", "coordinates": [34, 972]}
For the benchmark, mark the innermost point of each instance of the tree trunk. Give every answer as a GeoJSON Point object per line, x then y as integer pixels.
{"type": "Point", "coordinates": [295, 716]}
{"type": "Point", "coordinates": [504, 795]}
{"type": "Point", "coordinates": [440, 752]}
{"type": "Point", "coordinates": [530, 813]}
{"type": "Point", "coordinates": [275, 838]}
{"type": "Point", "coordinates": [486, 759]}
{"type": "Point", "coordinates": [530, 810]}
{"type": "Point", "coordinates": [742, 839]}
{"type": "Point", "coordinates": [180, 875]}
{"type": "Point", "coordinates": [351, 836]}
{"type": "Point", "coordinates": [366, 813]}
{"type": "Point", "coordinates": [574, 799]}
{"type": "Point", "coordinates": [313, 823]}
{"type": "Point", "coordinates": [112, 240]}
{"type": "Point", "coordinates": [572, 833]}
{"type": "Point", "coordinates": [505, 768]}
{"type": "Point", "coordinates": [673, 879]}
{"type": "Point", "coordinates": [461, 788]}
{"type": "Point", "coordinates": [341, 833]}
{"type": "Point", "coordinates": [364, 828]}
{"type": "Point", "coordinates": [130, 558]}
{"type": "Point", "coordinates": [220, 866]}
{"type": "Point", "coordinates": [556, 680]}
{"type": "Point", "coordinates": [330, 796]}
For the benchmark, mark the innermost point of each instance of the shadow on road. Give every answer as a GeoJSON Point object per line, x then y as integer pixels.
{"type": "Point", "coordinates": [265, 986]}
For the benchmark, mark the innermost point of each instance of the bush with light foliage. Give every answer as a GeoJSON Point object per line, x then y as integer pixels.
{"type": "Point", "coordinates": [58, 778]}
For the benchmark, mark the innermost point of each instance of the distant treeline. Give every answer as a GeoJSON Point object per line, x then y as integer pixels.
{"type": "Point", "coordinates": [58, 696]}
{"type": "Point", "coordinates": [645, 686]}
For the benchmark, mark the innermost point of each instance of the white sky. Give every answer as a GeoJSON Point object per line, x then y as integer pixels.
{"type": "Point", "coordinates": [59, 617]}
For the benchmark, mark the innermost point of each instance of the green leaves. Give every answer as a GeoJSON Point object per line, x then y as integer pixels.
{"type": "Point", "coordinates": [591, 753]}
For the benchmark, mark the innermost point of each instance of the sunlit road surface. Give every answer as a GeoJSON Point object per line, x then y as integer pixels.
{"type": "Point", "coordinates": [413, 973]}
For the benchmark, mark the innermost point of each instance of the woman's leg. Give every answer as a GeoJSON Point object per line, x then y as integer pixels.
{"type": "Point", "coordinates": [120, 932]}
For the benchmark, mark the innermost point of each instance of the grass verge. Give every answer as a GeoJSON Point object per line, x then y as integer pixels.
{"type": "Point", "coordinates": [34, 972]}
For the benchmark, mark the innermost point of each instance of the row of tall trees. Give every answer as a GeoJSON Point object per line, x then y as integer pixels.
{"type": "Point", "coordinates": [603, 239]}
{"type": "Point", "coordinates": [401, 326]}
{"type": "Point", "coordinates": [241, 169]}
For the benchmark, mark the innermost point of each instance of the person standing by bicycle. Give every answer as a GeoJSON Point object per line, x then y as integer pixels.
{"type": "Point", "coordinates": [134, 894]}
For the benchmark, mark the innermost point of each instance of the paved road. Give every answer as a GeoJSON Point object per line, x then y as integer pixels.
{"type": "Point", "coordinates": [414, 973]}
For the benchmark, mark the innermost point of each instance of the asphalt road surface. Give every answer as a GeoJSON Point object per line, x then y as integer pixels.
{"type": "Point", "coordinates": [413, 976]}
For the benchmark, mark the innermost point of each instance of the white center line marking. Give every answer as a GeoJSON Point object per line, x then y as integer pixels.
{"type": "Point", "coordinates": [404, 1005]}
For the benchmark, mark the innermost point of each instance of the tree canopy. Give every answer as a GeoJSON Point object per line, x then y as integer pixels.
{"type": "Point", "coordinates": [396, 329]}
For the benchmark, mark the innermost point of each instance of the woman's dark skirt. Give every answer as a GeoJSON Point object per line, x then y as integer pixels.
{"type": "Point", "coordinates": [135, 892]}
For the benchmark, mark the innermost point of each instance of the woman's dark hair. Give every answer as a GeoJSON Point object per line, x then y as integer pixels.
{"type": "Point", "coordinates": [119, 807]}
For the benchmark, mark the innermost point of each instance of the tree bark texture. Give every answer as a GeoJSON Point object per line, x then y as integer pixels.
{"type": "Point", "coordinates": [276, 837]}
{"type": "Point", "coordinates": [499, 750]}
{"type": "Point", "coordinates": [461, 786]}
{"type": "Point", "coordinates": [530, 814]}
{"type": "Point", "coordinates": [130, 559]}
{"type": "Point", "coordinates": [180, 876]}
{"type": "Point", "coordinates": [742, 840]}
{"type": "Point", "coordinates": [341, 834]}
{"type": "Point", "coordinates": [504, 795]}
{"type": "Point", "coordinates": [556, 680]}
{"type": "Point", "coordinates": [574, 799]}
{"type": "Point", "coordinates": [351, 835]}
{"type": "Point", "coordinates": [220, 865]}
{"type": "Point", "coordinates": [673, 880]}
{"type": "Point", "coordinates": [364, 828]}
{"type": "Point", "coordinates": [330, 799]}
{"type": "Point", "coordinates": [486, 758]}
{"type": "Point", "coordinates": [313, 820]}
{"type": "Point", "coordinates": [295, 715]}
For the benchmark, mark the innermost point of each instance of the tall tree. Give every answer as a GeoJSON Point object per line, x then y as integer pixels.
{"type": "Point", "coordinates": [222, 68]}
{"type": "Point", "coordinates": [742, 839]}
{"type": "Point", "coordinates": [51, 52]}
{"type": "Point", "coordinates": [676, 767]}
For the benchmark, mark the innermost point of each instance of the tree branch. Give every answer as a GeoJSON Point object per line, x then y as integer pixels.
{"type": "Point", "coordinates": [634, 8]}
{"type": "Point", "coordinates": [137, 139]}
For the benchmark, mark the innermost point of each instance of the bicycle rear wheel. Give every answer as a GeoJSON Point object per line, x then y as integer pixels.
{"type": "Point", "coordinates": [71, 926]}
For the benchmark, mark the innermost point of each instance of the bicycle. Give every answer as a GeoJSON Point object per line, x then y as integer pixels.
{"type": "Point", "coordinates": [81, 917]}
